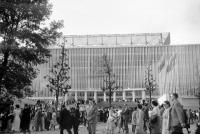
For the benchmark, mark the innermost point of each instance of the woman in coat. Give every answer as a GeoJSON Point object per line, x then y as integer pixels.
{"type": "Point", "coordinates": [154, 115]}
{"type": "Point", "coordinates": [16, 122]}
{"type": "Point", "coordinates": [139, 129]}
{"type": "Point", "coordinates": [165, 118]}
{"type": "Point", "coordinates": [111, 121]}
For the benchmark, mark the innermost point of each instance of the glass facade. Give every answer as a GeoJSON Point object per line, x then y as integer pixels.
{"type": "Point", "coordinates": [174, 68]}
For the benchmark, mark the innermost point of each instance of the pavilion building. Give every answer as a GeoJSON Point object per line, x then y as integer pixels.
{"type": "Point", "coordinates": [175, 68]}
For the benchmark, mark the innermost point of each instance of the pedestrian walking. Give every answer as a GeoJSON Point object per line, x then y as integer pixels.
{"type": "Point", "coordinates": [125, 118]}
{"type": "Point", "coordinates": [154, 115]}
{"type": "Point", "coordinates": [16, 122]}
{"type": "Point", "coordinates": [38, 119]}
{"type": "Point", "coordinates": [76, 118]}
{"type": "Point", "coordinates": [134, 120]}
{"type": "Point", "coordinates": [139, 129]}
{"type": "Point", "coordinates": [177, 121]}
{"type": "Point", "coordinates": [10, 118]}
{"type": "Point", "coordinates": [92, 117]}
{"type": "Point", "coordinates": [25, 119]}
{"type": "Point", "coordinates": [65, 120]}
{"type": "Point", "coordinates": [119, 119]}
{"type": "Point", "coordinates": [53, 121]}
{"type": "Point", "coordinates": [111, 121]}
{"type": "Point", "coordinates": [165, 118]}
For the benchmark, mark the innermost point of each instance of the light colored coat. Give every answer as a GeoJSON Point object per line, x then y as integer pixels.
{"type": "Point", "coordinates": [92, 114]}
{"type": "Point", "coordinates": [165, 121]}
{"type": "Point", "coordinates": [134, 121]}
{"type": "Point", "coordinates": [111, 121]}
{"type": "Point", "coordinates": [139, 122]}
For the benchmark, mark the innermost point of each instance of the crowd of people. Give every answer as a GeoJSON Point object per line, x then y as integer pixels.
{"type": "Point", "coordinates": [168, 118]}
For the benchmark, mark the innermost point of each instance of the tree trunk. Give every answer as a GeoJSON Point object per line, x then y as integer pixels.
{"type": "Point", "coordinates": [150, 95]}
{"type": "Point", "coordinates": [57, 93]}
{"type": "Point", "coordinates": [3, 68]}
{"type": "Point", "coordinates": [110, 97]}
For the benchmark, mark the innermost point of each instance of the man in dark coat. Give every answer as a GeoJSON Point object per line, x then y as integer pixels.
{"type": "Point", "coordinates": [38, 119]}
{"type": "Point", "coordinates": [25, 119]}
{"type": "Point", "coordinates": [48, 120]}
{"type": "Point", "coordinates": [65, 120]}
{"type": "Point", "coordinates": [92, 117]}
{"type": "Point", "coordinates": [125, 118]}
{"type": "Point", "coordinates": [76, 119]}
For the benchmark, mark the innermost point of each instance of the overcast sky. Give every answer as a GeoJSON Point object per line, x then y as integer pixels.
{"type": "Point", "coordinates": [179, 17]}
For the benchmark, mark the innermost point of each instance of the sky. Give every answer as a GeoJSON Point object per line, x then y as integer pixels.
{"type": "Point", "coordinates": [82, 17]}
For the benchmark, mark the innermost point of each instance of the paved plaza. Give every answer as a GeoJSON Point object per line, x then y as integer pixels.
{"type": "Point", "coordinates": [101, 129]}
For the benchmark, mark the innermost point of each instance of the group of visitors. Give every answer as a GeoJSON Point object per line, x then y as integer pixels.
{"type": "Point", "coordinates": [26, 119]}
{"type": "Point", "coordinates": [169, 118]}
{"type": "Point", "coordinates": [193, 115]}
{"type": "Point", "coordinates": [16, 119]}
{"type": "Point", "coordinates": [69, 120]}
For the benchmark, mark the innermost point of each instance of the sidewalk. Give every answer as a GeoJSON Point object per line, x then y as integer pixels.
{"type": "Point", "coordinates": [101, 129]}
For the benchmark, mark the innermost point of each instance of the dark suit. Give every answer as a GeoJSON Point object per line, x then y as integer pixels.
{"type": "Point", "coordinates": [176, 118]}
{"type": "Point", "coordinates": [65, 121]}
{"type": "Point", "coordinates": [25, 119]}
{"type": "Point", "coordinates": [76, 120]}
{"type": "Point", "coordinates": [125, 119]}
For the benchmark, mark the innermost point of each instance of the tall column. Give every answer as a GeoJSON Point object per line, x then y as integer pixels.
{"type": "Point", "coordinates": [85, 96]}
{"type": "Point", "coordinates": [143, 94]}
{"type": "Point", "coordinates": [114, 96]}
{"type": "Point", "coordinates": [104, 96]}
{"type": "Point", "coordinates": [76, 96]}
{"type": "Point", "coordinates": [95, 96]}
{"type": "Point", "coordinates": [66, 97]}
{"type": "Point", "coordinates": [124, 95]}
{"type": "Point", "coordinates": [133, 95]}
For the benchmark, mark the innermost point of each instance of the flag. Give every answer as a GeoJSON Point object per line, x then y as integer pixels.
{"type": "Point", "coordinates": [161, 65]}
{"type": "Point", "coordinates": [162, 74]}
{"type": "Point", "coordinates": [171, 64]}
{"type": "Point", "coordinates": [167, 40]}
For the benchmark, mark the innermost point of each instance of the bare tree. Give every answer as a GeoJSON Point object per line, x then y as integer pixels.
{"type": "Point", "coordinates": [150, 83]}
{"type": "Point", "coordinates": [59, 76]}
{"type": "Point", "coordinates": [110, 83]}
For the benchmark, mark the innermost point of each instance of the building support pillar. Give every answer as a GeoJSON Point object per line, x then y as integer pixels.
{"type": "Point", "coordinates": [85, 96]}
{"type": "Point", "coordinates": [143, 94]}
{"type": "Point", "coordinates": [133, 95]}
{"type": "Point", "coordinates": [66, 97]}
{"type": "Point", "coordinates": [95, 96]}
{"type": "Point", "coordinates": [76, 96]}
{"type": "Point", "coordinates": [124, 95]}
{"type": "Point", "coordinates": [114, 96]}
{"type": "Point", "coordinates": [104, 96]}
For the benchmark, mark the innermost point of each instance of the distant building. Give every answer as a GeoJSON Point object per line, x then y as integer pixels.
{"type": "Point", "coordinates": [175, 67]}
